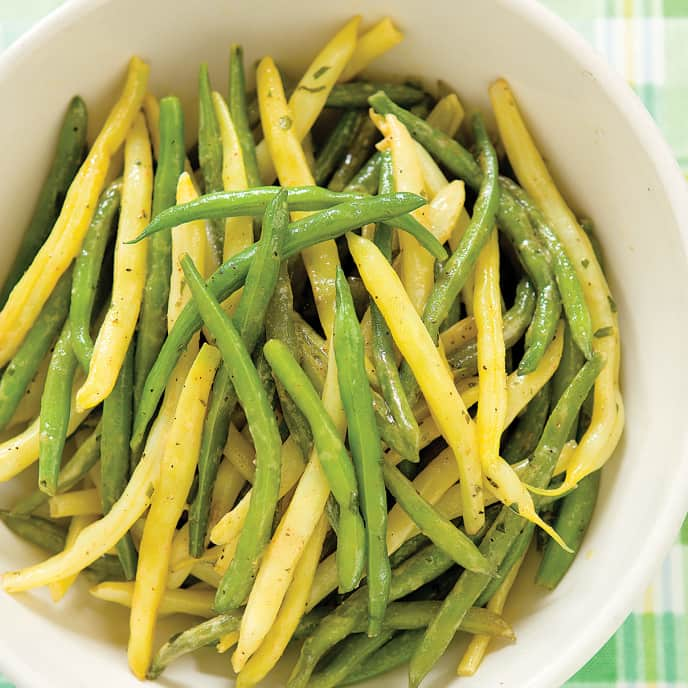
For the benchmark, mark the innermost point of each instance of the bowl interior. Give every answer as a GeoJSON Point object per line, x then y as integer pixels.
{"type": "Point", "coordinates": [606, 156]}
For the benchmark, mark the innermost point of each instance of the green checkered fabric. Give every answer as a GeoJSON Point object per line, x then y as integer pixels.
{"type": "Point", "coordinates": [647, 42]}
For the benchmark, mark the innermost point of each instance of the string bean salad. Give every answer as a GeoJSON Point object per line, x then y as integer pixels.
{"type": "Point", "coordinates": [322, 380]}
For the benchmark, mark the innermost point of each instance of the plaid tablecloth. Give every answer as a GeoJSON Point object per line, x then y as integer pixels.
{"type": "Point", "coordinates": [647, 42]}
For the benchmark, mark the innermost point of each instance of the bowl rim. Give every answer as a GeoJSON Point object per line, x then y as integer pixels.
{"type": "Point", "coordinates": [667, 521]}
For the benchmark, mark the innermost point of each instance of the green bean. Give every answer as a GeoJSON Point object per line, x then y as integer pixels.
{"type": "Point", "coordinates": [419, 569]}
{"type": "Point", "coordinates": [309, 622]}
{"type": "Point", "coordinates": [260, 284]}
{"type": "Point", "coordinates": [87, 269]}
{"type": "Point", "coordinates": [439, 529]}
{"type": "Point", "coordinates": [205, 633]}
{"type": "Point", "coordinates": [55, 411]}
{"type": "Point", "coordinates": [238, 579]}
{"type": "Point", "coordinates": [328, 224]}
{"type": "Point", "coordinates": [516, 551]}
{"type": "Point", "coordinates": [535, 260]}
{"type": "Point", "coordinates": [408, 549]}
{"type": "Point", "coordinates": [223, 204]}
{"type": "Point", "coordinates": [153, 318]}
{"type": "Point", "coordinates": [516, 321]}
{"type": "Point", "coordinates": [358, 153]}
{"type": "Point", "coordinates": [364, 443]}
{"type": "Point", "coordinates": [366, 179]}
{"type": "Point", "coordinates": [570, 288]}
{"type": "Point", "coordinates": [458, 267]}
{"type": "Point", "coordinates": [461, 163]}
{"type": "Point", "coordinates": [83, 460]}
{"type": "Point", "coordinates": [239, 112]}
{"type": "Point", "coordinates": [21, 369]}
{"type": "Point", "coordinates": [396, 652]}
{"type": "Point", "coordinates": [338, 469]}
{"type": "Point", "coordinates": [336, 145]}
{"type": "Point", "coordinates": [570, 363]}
{"type": "Point", "coordinates": [384, 353]}
{"type": "Point", "coordinates": [572, 523]}
{"type": "Point", "coordinates": [71, 146]}
{"type": "Point", "coordinates": [505, 530]}
{"type": "Point", "coordinates": [355, 94]}
{"type": "Point", "coordinates": [524, 438]}
{"type": "Point", "coordinates": [419, 613]}
{"type": "Point", "coordinates": [51, 537]}
{"type": "Point", "coordinates": [210, 151]}
{"type": "Point", "coordinates": [239, 202]}
{"type": "Point", "coordinates": [115, 455]}
{"type": "Point", "coordinates": [349, 654]}
{"type": "Point", "coordinates": [314, 362]}
{"type": "Point", "coordinates": [279, 324]}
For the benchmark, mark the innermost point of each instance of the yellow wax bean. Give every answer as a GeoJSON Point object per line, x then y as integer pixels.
{"type": "Point", "coordinates": [290, 613]}
{"type": "Point", "coordinates": [602, 436]}
{"type": "Point", "coordinates": [76, 503]}
{"type": "Point", "coordinates": [177, 470]}
{"type": "Point", "coordinates": [310, 94]}
{"type": "Point", "coordinates": [285, 149]}
{"type": "Point", "coordinates": [64, 242]}
{"type": "Point", "coordinates": [417, 265]}
{"type": "Point", "coordinates": [435, 381]}
{"type": "Point", "coordinates": [129, 274]}
{"type": "Point", "coordinates": [373, 43]}
{"type": "Point", "coordinates": [294, 531]}
{"type": "Point", "coordinates": [188, 601]}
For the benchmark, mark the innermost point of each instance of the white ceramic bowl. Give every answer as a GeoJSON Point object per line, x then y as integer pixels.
{"type": "Point", "coordinates": [609, 159]}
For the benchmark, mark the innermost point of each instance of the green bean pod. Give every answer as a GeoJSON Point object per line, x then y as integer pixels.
{"type": "Point", "coordinates": [206, 633]}
{"type": "Point", "coordinates": [396, 652]}
{"type": "Point", "coordinates": [366, 450]}
{"type": "Point", "coordinates": [71, 147]}
{"type": "Point", "coordinates": [223, 204]}
{"type": "Point", "coordinates": [355, 94]}
{"type": "Point", "coordinates": [21, 369]}
{"type": "Point", "coordinates": [384, 353]}
{"type": "Point", "coordinates": [572, 523]}
{"type": "Point", "coordinates": [238, 579]}
{"type": "Point", "coordinates": [338, 469]}
{"type": "Point", "coordinates": [55, 411]}
{"type": "Point", "coordinates": [337, 144]}
{"type": "Point", "coordinates": [248, 320]}
{"type": "Point", "coordinates": [239, 112]}
{"type": "Point", "coordinates": [570, 288]}
{"type": "Point", "coordinates": [366, 180]}
{"type": "Point", "coordinates": [524, 438]}
{"type": "Point", "coordinates": [439, 529]}
{"type": "Point", "coordinates": [516, 551]}
{"type": "Point", "coordinates": [328, 224]}
{"type": "Point", "coordinates": [210, 151]}
{"type": "Point", "coordinates": [83, 460]}
{"type": "Point", "coordinates": [535, 260]}
{"type": "Point", "coordinates": [314, 362]}
{"type": "Point", "coordinates": [153, 318]}
{"type": "Point", "coordinates": [118, 410]}
{"type": "Point", "coordinates": [457, 269]}
{"type": "Point", "coordinates": [350, 653]}
{"type": "Point", "coordinates": [359, 151]}
{"type": "Point", "coordinates": [279, 324]}
{"type": "Point", "coordinates": [51, 537]}
{"type": "Point", "coordinates": [87, 269]}
{"type": "Point", "coordinates": [504, 532]}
